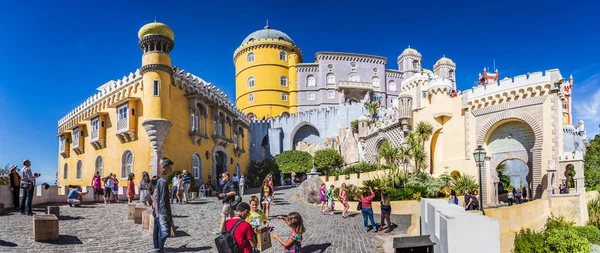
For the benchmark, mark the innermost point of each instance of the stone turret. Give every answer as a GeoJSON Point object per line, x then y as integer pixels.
{"type": "Point", "coordinates": [363, 125]}
{"type": "Point", "coordinates": [405, 111]}
{"type": "Point", "coordinates": [410, 62]}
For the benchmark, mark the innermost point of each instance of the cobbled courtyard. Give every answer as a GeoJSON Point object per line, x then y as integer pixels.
{"type": "Point", "coordinates": [105, 228]}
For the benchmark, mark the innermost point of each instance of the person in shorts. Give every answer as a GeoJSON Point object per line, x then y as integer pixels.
{"type": "Point", "coordinates": [75, 196]}
{"type": "Point", "coordinates": [228, 196]}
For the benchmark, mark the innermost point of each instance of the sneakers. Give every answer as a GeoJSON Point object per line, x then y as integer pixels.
{"type": "Point", "coordinates": [71, 205]}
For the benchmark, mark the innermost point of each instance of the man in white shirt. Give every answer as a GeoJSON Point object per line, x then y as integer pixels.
{"type": "Point", "coordinates": [27, 184]}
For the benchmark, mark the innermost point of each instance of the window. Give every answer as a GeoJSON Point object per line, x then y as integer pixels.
{"type": "Point", "coordinates": [331, 94]}
{"type": "Point", "coordinates": [353, 77]}
{"type": "Point", "coordinates": [330, 78]}
{"type": "Point", "coordinates": [282, 55]}
{"type": "Point", "coordinates": [100, 165]}
{"type": "Point", "coordinates": [415, 64]}
{"type": "Point", "coordinates": [61, 144]}
{"type": "Point", "coordinates": [195, 121]}
{"type": "Point", "coordinates": [156, 88]}
{"type": "Point", "coordinates": [353, 65]}
{"type": "Point", "coordinates": [126, 163]}
{"type": "Point", "coordinates": [76, 137]}
{"type": "Point", "coordinates": [451, 74]}
{"type": "Point", "coordinates": [250, 82]}
{"type": "Point", "coordinates": [284, 96]}
{"type": "Point", "coordinates": [375, 70]}
{"type": "Point", "coordinates": [78, 172]}
{"type": "Point", "coordinates": [330, 66]}
{"type": "Point", "coordinates": [250, 57]}
{"type": "Point", "coordinates": [250, 97]}
{"type": "Point", "coordinates": [424, 94]}
{"type": "Point", "coordinates": [95, 128]}
{"type": "Point", "coordinates": [311, 96]}
{"type": "Point", "coordinates": [65, 171]}
{"type": "Point", "coordinates": [122, 119]}
{"type": "Point", "coordinates": [251, 116]}
{"type": "Point", "coordinates": [285, 114]}
{"type": "Point", "coordinates": [196, 166]}
{"type": "Point", "coordinates": [311, 81]}
{"type": "Point", "coordinates": [392, 85]}
{"type": "Point", "coordinates": [283, 81]}
{"type": "Point", "coordinates": [236, 141]}
{"type": "Point", "coordinates": [375, 81]}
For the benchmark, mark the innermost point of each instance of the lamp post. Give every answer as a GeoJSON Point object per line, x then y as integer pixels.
{"type": "Point", "coordinates": [271, 110]}
{"type": "Point", "coordinates": [479, 156]}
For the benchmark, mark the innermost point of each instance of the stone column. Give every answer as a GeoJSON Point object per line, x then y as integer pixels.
{"type": "Point", "coordinates": [551, 175]}
{"type": "Point", "coordinates": [579, 178]}
{"type": "Point", "coordinates": [157, 130]}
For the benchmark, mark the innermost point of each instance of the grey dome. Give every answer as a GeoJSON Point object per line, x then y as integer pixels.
{"type": "Point", "coordinates": [267, 33]}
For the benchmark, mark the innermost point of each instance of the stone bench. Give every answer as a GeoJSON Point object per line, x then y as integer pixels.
{"type": "Point", "coordinates": [53, 210]}
{"type": "Point", "coordinates": [45, 227]}
{"type": "Point", "coordinates": [131, 211]}
{"type": "Point", "coordinates": [137, 214]}
{"type": "Point", "coordinates": [147, 218]}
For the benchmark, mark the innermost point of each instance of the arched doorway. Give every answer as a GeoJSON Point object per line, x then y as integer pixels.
{"type": "Point", "coordinates": [219, 161]}
{"type": "Point", "coordinates": [513, 172]}
{"type": "Point", "coordinates": [570, 176]}
{"type": "Point", "coordinates": [307, 134]}
{"type": "Point", "coordinates": [264, 147]}
{"type": "Point", "coordinates": [434, 151]}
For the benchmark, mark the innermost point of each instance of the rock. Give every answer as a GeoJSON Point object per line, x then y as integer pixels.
{"type": "Point", "coordinates": [307, 147]}
{"type": "Point", "coordinates": [309, 191]}
{"type": "Point", "coordinates": [348, 146]}
{"type": "Point", "coordinates": [595, 248]}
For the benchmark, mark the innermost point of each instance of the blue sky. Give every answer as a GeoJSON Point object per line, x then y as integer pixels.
{"type": "Point", "coordinates": [53, 56]}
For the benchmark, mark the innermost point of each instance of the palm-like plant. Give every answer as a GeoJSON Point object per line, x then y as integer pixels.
{"type": "Point", "coordinates": [390, 154]}
{"type": "Point", "coordinates": [372, 107]}
{"type": "Point", "coordinates": [404, 156]}
{"type": "Point", "coordinates": [424, 131]}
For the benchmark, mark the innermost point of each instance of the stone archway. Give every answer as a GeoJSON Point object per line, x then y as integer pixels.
{"type": "Point", "coordinates": [219, 161]}
{"type": "Point", "coordinates": [534, 150]}
{"type": "Point", "coordinates": [435, 152]}
{"type": "Point", "coordinates": [306, 133]}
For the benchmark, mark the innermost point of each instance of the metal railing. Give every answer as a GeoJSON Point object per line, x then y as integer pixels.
{"type": "Point", "coordinates": [351, 84]}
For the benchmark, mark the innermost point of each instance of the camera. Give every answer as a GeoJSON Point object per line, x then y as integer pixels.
{"type": "Point", "coordinates": [37, 174]}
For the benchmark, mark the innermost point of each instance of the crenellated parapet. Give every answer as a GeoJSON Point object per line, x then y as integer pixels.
{"type": "Point", "coordinates": [419, 79]}
{"type": "Point", "coordinates": [511, 89]}
{"type": "Point", "coordinates": [315, 115]}
{"type": "Point", "coordinates": [213, 95]}
{"type": "Point", "coordinates": [388, 118]}
{"type": "Point", "coordinates": [109, 94]}
{"type": "Point", "coordinates": [308, 67]}
{"type": "Point", "coordinates": [350, 57]}
{"type": "Point", "coordinates": [267, 43]}
{"type": "Point", "coordinates": [440, 86]}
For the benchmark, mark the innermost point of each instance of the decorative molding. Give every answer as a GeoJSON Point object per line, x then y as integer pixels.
{"type": "Point", "coordinates": [510, 105]}
{"type": "Point", "coordinates": [340, 56]}
{"type": "Point", "coordinates": [157, 40]}
{"type": "Point", "coordinates": [154, 67]}
{"type": "Point", "coordinates": [157, 130]}
{"type": "Point", "coordinates": [268, 43]}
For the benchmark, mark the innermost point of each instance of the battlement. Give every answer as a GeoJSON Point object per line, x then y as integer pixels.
{"type": "Point", "coordinates": [316, 114]}
{"type": "Point", "coordinates": [572, 156]}
{"type": "Point", "coordinates": [518, 84]}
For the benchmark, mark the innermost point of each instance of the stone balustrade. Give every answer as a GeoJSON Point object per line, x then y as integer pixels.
{"type": "Point", "coordinates": [55, 194]}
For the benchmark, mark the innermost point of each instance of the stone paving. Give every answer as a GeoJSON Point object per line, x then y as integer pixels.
{"type": "Point", "coordinates": [105, 228]}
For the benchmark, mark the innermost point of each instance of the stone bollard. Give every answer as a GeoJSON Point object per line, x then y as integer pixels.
{"type": "Point", "coordinates": [131, 211]}
{"type": "Point", "coordinates": [45, 227]}
{"type": "Point", "coordinates": [151, 222]}
{"type": "Point", "coordinates": [137, 215]}
{"type": "Point", "coordinates": [194, 195]}
{"type": "Point", "coordinates": [1, 208]}
{"type": "Point", "coordinates": [147, 218]}
{"type": "Point", "coordinates": [53, 210]}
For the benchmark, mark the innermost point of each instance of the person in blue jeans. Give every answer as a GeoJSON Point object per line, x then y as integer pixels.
{"type": "Point", "coordinates": [28, 185]}
{"type": "Point", "coordinates": [367, 209]}
{"type": "Point", "coordinates": [161, 207]}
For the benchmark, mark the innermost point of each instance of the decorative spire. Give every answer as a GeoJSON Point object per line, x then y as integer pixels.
{"type": "Point", "coordinates": [267, 26]}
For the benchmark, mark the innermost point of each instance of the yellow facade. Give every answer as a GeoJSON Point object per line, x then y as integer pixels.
{"type": "Point", "coordinates": [149, 94]}
{"type": "Point", "coordinates": [270, 60]}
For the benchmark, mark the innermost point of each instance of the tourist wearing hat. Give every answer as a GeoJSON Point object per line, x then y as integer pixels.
{"type": "Point", "coordinates": [15, 179]}
{"type": "Point", "coordinates": [27, 184]}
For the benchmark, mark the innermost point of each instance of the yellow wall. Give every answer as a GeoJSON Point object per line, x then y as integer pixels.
{"type": "Point", "coordinates": [267, 70]}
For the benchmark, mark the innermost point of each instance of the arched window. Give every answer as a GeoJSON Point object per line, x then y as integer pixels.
{"type": "Point", "coordinates": [415, 64]}
{"type": "Point", "coordinates": [392, 85]}
{"type": "Point", "coordinates": [78, 172]}
{"type": "Point", "coordinates": [285, 114]}
{"type": "Point", "coordinates": [65, 171]}
{"type": "Point", "coordinates": [451, 74]}
{"type": "Point", "coordinates": [375, 81]}
{"type": "Point", "coordinates": [311, 81]}
{"type": "Point", "coordinates": [237, 169]}
{"type": "Point", "coordinates": [330, 78]}
{"type": "Point", "coordinates": [196, 165]}
{"type": "Point", "coordinates": [250, 82]}
{"type": "Point", "coordinates": [251, 97]}
{"type": "Point", "coordinates": [100, 165]}
{"type": "Point", "coordinates": [282, 55]}
{"type": "Point", "coordinates": [126, 163]}
{"type": "Point", "coordinates": [353, 77]}
{"type": "Point", "coordinates": [251, 116]}
{"type": "Point", "coordinates": [284, 96]}
{"type": "Point", "coordinates": [250, 57]}
{"type": "Point", "coordinates": [283, 81]}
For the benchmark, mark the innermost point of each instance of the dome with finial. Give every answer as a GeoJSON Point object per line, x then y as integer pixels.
{"type": "Point", "coordinates": [267, 33]}
{"type": "Point", "coordinates": [156, 28]}
{"type": "Point", "coordinates": [410, 50]}
{"type": "Point", "coordinates": [444, 59]}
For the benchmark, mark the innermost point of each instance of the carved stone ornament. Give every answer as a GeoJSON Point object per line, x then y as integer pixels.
{"type": "Point", "coordinates": [157, 130]}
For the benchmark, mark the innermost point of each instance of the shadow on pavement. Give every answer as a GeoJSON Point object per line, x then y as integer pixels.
{"type": "Point", "coordinates": [315, 248]}
{"type": "Point", "coordinates": [179, 233]}
{"type": "Point", "coordinates": [68, 217]}
{"type": "Point", "coordinates": [66, 240]}
{"type": "Point", "coordinates": [186, 249]}
{"type": "Point", "coordinates": [198, 203]}
{"type": "Point", "coordinates": [180, 216]}
{"type": "Point", "coordinates": [4, 243]}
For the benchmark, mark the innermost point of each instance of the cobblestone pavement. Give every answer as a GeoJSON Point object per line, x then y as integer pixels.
{"type": "Point", "coordinates": [105, 228]}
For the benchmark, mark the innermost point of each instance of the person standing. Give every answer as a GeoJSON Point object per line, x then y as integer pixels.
{"type": "Point", "coordinates": [97, 186]}
{"type": "Point", "coordinates": [228, 196]}
{"type": "Point", "coordinates": [236, 181]}
{"type": "Point", "coordinates": [293, 179]}
{"type": "Point", "coordinates": [130, 188]}
{"type": "Point", "coordinates": [453, 199]}
{"type": "Point", "coordinates": [174, 188]}
{"type": "Point", "coordinates": [517, 193]}
{"type": "Point", "coordinates": [282, 178]}
{"type": "Point", "coordinates": [145, 189]}
{"type": "Point", "coordinates": [163, 219]}
{"type": "Point", "coordinates": [186, 186]}
{"type": "Point", "coordinates": [525, 194]}
{"type": "Point", "coordinates": [108, 184]}
{"type": "Point", "coordinates": [344, 200]}
{"type": "Point", "coordinates": [366, 200]}
{"type": "Point", "coordinates": [242, 184]}
{"type": "Point", "coordinates": [468, 203]}
{"type": "Point", "coordinates": [243, 233]}
{"type": "Point", "coordinates": [15, 179]}
{"type": "Point", "coordinates": [27, 184]}
{"type": "Point", "coordinates": [510, 197]}
{"type": "Point", "coordinates": [115, 188]}
{"type": "Point", "coordinates": [475, 200]}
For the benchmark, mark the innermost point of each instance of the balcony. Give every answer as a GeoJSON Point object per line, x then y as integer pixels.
{"type": "Point", "coordinates": [198, 137]}
{"type": "Point", "coordinates": [78, 141]}
{"type": "Point", "coordinates": [96, 141]}
{"type": "Point", "coordinates": [355, 85]}
{"type": "Point", "coordinates": [125, 132]}
{"type": "Point", "coordinates": [221, 140]}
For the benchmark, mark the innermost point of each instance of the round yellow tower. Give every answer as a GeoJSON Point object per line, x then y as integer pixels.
{"type": "Point", "coordinates": [265, 74]}
{"type": "Point", "coordinates": [156, 41]}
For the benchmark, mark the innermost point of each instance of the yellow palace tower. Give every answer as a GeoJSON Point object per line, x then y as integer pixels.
{"type": "Point", "coordinates": [265, 74]}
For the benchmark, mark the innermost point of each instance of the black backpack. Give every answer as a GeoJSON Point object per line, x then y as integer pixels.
{"type": "Point", "coordinates": [226, 242]}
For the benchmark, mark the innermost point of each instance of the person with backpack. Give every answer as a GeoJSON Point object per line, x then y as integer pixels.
{"type": "Point", "coordinates": [238, 236]}
{"type": "Point", "coordinates": [161, 206]}
{"type": "Point", "coordinates": [227, 194]}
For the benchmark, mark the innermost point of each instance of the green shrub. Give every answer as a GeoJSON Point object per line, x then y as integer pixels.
{"type": "Point", "coordinates": [294, 160]}
{"type": "Point", "coordinates": [360, 167]}
{"type": "Point", "coordinates": [529, 241]}
{"type": "Point", "coordinates": [455, 174]}
{"type": "Point", "coordinates": [257, 171]}
{"type": "Point", "coordinates": [591, 233]}
{"type": "Point", "coordinates": [328, 161]}
{"type": "Point", "coordinates": [594, 212]}
{"type": "Point", "coordinates": [465, 182]}
{"type": "Point", "coordinates": [352, 192]}
{"type": "Point", "coordinates": [557, 222]}
{"type": "Point", "coordinates": [354, 126]}
{"type": "Point", "coordinates": [566, 240]}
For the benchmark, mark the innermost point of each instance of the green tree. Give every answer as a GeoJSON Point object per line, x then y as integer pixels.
{"type": "Point", "coordinates": [328, 161]}
{"type": "Point", "coordinates": [591, 167]}
{"type": "Point", "coordinates": [504, 179]}
{"type": "Point", "coordinates": [389, 153]}
{"type": "Point", "coordinates": [372, 107]}
{"type": "Point", "coordinates": [294, 160]}
{"type": "Point", "coordinates": [4, 170]}
{"type": "Point", "coordinates": [424, 131]}
{"type": "Point", "coordinates": [404, 157]}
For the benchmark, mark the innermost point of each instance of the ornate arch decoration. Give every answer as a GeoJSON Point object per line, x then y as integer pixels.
{"type": "Point", "coordinates": [492, 123]}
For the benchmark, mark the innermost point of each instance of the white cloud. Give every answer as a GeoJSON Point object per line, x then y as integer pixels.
{"type": "Point", "coordinates": [586, 104]}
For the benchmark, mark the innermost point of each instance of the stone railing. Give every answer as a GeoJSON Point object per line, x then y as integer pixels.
{"type": "Point", "coordinates": [355, 85]}
{"type": "Point", "coordinates": [54, 194]}
{"type": "Point", "coordinates": [354, 178]}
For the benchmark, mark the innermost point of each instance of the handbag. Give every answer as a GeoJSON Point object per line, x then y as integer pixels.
{"type": "Point", "coordinates": [236, 201]}
{"type": "Point", "coordinates": [359, 206]}
{"type": "Point", "coordinates": [25, 184]}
